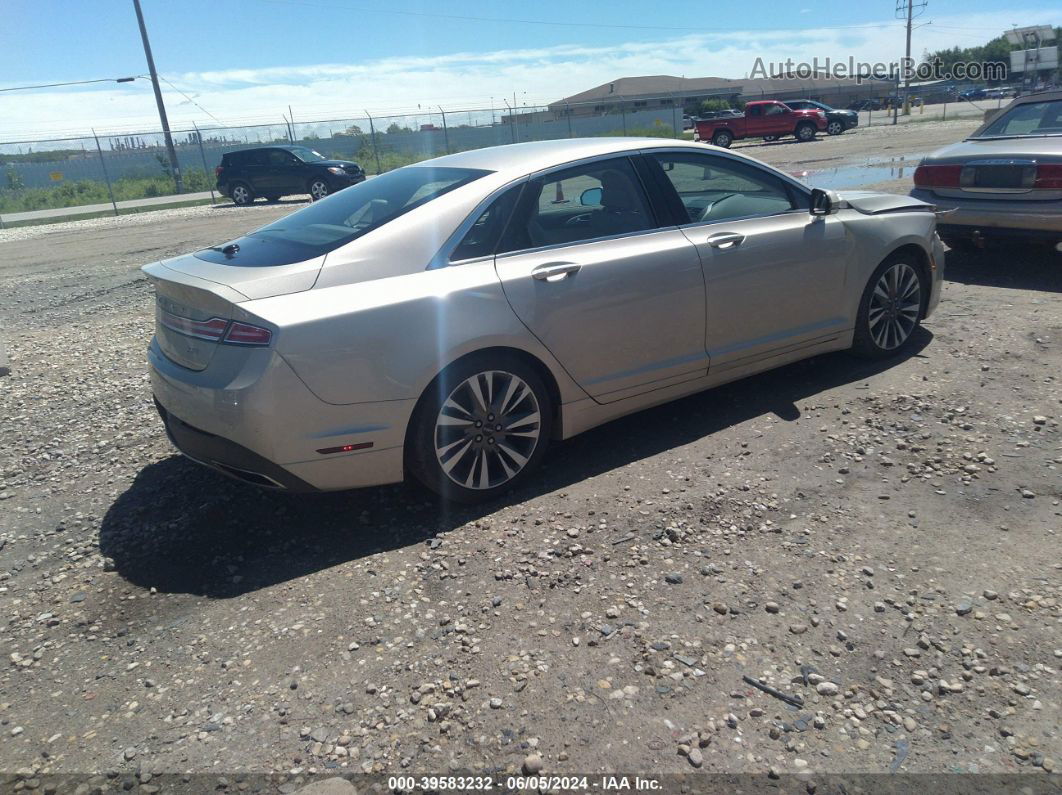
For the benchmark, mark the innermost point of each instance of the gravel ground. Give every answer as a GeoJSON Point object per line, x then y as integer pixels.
{"type": "Point", "coordinates": [878, 541]}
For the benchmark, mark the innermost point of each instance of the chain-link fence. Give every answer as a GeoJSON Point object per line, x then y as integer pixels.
{"type": "Point", "coordinates": [116, 172]}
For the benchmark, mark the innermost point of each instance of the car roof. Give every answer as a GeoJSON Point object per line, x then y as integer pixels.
{"type": "Point", "coordinates": [527, 158]}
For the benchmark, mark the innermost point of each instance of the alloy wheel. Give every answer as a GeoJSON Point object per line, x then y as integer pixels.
{"type": "Point", "coordinates": [894, 306]}
{"type": "Point", "coordinates": [240, 194]}
{"type": "Point", "coordinates": [318, 190]}
{"type": "Point", "coordinates": [835, 128]}
{"type": "Point", "coordinates": [487, 429]}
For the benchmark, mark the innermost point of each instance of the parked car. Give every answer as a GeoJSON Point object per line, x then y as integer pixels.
{"type": "Point", "coordinates": [972, 94]}
{"type": "Point", "coordinates": [769, 120]}
{"type": "Point", "coordinates": [448, 319]}
{"type": "Point", "coordinates": [837, 120]}
{"type": "Point", "coordinates": [865, 104]}
{"type": "Point", "coordinates": [275, 171]}
{"type": "Point", "coordinates": [1004, 181]}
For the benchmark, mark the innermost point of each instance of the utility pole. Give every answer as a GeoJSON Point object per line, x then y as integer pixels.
{"type": "Point", "coordinates": [907, 8]}
{"type": "Point", "coordinates": [175, 167]}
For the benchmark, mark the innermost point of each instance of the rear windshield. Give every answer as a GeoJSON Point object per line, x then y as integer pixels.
{"type": "Point", "coordinates": [1035, 118]}
{"type": "Point", "coordinates": [344, 216]}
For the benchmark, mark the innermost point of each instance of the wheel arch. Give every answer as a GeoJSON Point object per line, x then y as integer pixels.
{"type": "Point", "coordinates": [497, 352]}
{"type": "Point", "coordinates": [921, 260]}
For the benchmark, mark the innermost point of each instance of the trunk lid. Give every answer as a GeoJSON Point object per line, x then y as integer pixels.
{"type": "Point", "coordinates": [195, 289]}
{"type": "Point", "coordinates": [185, 305]}
{"type": "Point", "coordinates": [1001, 169]}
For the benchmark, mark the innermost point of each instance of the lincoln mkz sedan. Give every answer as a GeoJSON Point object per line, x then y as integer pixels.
{"type": "Point", "coordinates": [448, 319]}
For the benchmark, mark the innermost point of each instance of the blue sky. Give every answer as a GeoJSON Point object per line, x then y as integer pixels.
{"type": "Point", "coordinates": [246, 60]}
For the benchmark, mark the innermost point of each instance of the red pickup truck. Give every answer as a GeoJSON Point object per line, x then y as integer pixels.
{"type": "Point", "coordinates": [769, 120]}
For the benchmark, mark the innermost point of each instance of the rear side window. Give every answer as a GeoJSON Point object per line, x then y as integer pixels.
{"type": "Point", "coordinates": [482, 238]}
{"type": "Point", "coordinates": [326, 225]}
{"type": "Point", "coordinates": [1035, 118]}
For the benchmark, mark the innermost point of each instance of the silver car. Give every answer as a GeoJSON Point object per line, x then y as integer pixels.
{"type": "Point", "coordinates": [449, 319]}
{"type": "Point", "coordinates": [1004, 181]}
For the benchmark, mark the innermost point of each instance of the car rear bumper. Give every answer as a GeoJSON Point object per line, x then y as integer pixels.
{"type": "Point", "coordinates": [263, 426]}
{"type": "Point", "coordinates": [966, 216]}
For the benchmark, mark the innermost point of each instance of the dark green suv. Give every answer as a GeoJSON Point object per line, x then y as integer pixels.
{"type": "Point", "coordinates": [275, 171]}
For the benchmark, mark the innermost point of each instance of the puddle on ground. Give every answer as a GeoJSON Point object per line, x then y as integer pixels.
{"type": "Point", "coordinates": [871, 170]}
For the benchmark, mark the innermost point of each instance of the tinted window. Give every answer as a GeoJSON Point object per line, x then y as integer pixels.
{"type": "Point", "coordinates": [595, 200]}
{"type": "Point", "coordinates": [278, 157]}
{"type": "Point", "coordinates": [774, 110]}
{"type": "Point", "coordinates": [482, 238]}
{"type": "Point", "coordinates": [755, 110]}
{"type": "Point", "coordinates": [307, 155]}
{"type": "Point", "coordinates": [348, 214]}
{"type": "Point", "coordinates": [1036, 118]}
{"type": "Point", "coordinates": [716, 188]}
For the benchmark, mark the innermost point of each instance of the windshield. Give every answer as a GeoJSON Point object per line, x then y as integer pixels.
{"type": "Point", "coordinates": [1034, 118]}
{"type": "Point", "coordinates": [351, 213]}
{"type": "Point", "coordinates": [306, 155]}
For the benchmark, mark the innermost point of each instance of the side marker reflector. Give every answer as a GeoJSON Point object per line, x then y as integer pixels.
{"type": "Point", "coordinates": [346, 448]}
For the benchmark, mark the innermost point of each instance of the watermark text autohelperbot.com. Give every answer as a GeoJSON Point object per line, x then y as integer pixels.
{"type": "Point", "coordinates": [906, 69]}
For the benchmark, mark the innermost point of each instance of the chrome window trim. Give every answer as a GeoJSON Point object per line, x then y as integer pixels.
{"type": "Point", "coordinates": [793, 181]}
{"type": "Point", "coordinates": [553, 246]}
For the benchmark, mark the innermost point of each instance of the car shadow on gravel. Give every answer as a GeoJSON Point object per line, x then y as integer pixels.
{"type": "Point", "coordinates": [1020, 268]}
{"type": "Point", "coordinates": [182, 528]}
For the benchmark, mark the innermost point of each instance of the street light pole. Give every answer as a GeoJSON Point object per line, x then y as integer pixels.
{"type": "Point", "coordinates": [175, 167]}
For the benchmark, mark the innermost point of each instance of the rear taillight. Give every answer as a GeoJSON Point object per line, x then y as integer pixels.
{"type": "Point", "coordinates": [246, 334]}
{"type": "Point", "coordinates": [1049, 176]}
{"type": "Point", "coordinates": [212, 329]}
{"type": "Point", "coordinates": [217, 171]}
{"type": "Point", "coordinates": [216, 329]}
{"type": "Point", "coordinates": [937, 176]}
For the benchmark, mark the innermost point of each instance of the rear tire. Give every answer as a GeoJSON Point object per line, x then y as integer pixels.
{"type": "Point", "coordinates": [241, 194]}
{"type": "Point", "coordinates": [722, 139]}
{"type": "Point", "coordinates": [891, 308]}
{"type": "Point", "coordinates": [805, 132]}
{"type": "Point", "coordinates": [481, 427]}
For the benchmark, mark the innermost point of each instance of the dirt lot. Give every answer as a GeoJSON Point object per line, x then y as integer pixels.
{"type": "Point", "coordinates": [880, 540]}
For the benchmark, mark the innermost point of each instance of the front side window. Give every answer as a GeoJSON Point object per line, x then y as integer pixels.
{"type": "Point", "coordinates": [599, 199]}
{"type": "Point", "coordinates": [775, 110]}
{"type": "Point", "coordinates": [1036, 118]}
{"type": "Point", "coordinates": [278, 157]}
{"type": "Point", "coordinates": [714, 188]}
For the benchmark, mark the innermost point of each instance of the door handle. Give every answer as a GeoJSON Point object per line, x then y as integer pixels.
{"type": "Point", "coordinates": [554, 271]}
{"type": "Point", "coordinates": [725, 240]}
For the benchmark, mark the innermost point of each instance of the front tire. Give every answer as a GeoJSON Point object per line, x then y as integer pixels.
{"type": "Point", "coordinates": [770, 138]}
{"type": "Point", "coordinates": [890, 309]}
{"type": "Point", "coordinates": [481, 427]}
{"type": "Point", "coordinates": [805, 132]}
{"type": "Point", "coordinates": [318, 189]}
{"type": "Point", "coordinates": [722, 139]}
{"type": "Point", "coordinates": [835, 128]}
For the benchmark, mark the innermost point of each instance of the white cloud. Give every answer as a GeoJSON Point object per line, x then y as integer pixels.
{"type": "Point", "coordinates": [466, 80]}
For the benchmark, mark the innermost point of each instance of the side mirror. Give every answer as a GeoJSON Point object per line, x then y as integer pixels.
{"type": "Point", "coordinates": [823, 202]}
{"type": "Point", "coordinates": [591, 197]}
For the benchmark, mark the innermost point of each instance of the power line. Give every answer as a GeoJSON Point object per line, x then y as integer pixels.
{"type": "Point", "coordinates": [73, 83]}
{"type": "Point", "coordinates": [207, 112]}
